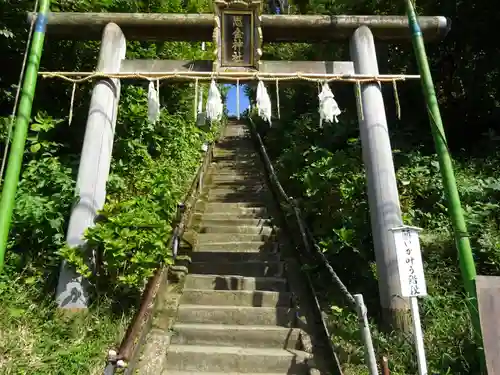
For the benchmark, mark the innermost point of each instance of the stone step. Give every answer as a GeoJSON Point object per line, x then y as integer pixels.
{"type": "Point", "coordinates": [223, 227]}
{"type": "Point", "coordinates": [236, 335]}
{"type": "Point", "coordinates": [237, 132]}
{"type": "Point", "coordinates": [232, 247]}
{"type": "Point", "coordinates": [233, 216]}
{"type": "Point", "coordinates": [237, 136]}
{"type": "Point", "coordinates": [218, 237]}
{"type": "Point", "coordinates": [219, 282]}
{"type": "Point", "coordinates": [236, 157]}
{"type": "Point", "coordinates": [257, 298]}
{"type": "Point", "coordinates": [234, 147]}
{"type": "Point", "coordinates": [236, 315]}
{"type": "Point", "coordinates": [236, 178]}
{"type": "Point", "coordinates": [242, 149]}
{"type": "Point", "coordinates": [231, 208]}
{"type": "Point", "coordinates": [250, 268]}
{"type": "Point", "coordinates": [225, 220]}
{"type": "Point", "coordinates": [243, 170]}
{"type": "Point", "coordinates": [256, 199]}
{"type": "Point", "coordinates": [236, 160]}
{"type": "Point", "coordinates": [236, 359]}
{"type": "Point", "coordinates": [234, 255]}
{"type": "Point", "coordinates": [224, 172]}
{"type": "Point", "coordinates": [236, 185]}
{"type": "Point", "coordinates": [244, 182]}
{"type": "Point", "coordinates": [241, 190]}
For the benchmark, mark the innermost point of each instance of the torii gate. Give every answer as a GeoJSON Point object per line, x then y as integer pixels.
{"type": "Point", "coordinates": [255, 29]}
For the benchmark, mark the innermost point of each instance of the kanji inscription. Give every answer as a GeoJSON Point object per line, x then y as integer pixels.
{"type": "Point", "coordinates": [237, 38]}
{"type": "Point", "coordinates": [411, 270]}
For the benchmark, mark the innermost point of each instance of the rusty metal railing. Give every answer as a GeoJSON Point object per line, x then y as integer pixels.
{"type": "Point", "coordinates": [129, 349]}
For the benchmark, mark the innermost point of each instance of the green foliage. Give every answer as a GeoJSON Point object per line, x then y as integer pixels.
{"type": "Point", "coordinates": [152, 167]}
{"type": "Point", "coordinates": [41, 206]}
{"type": "Point", "coordinates": [323, 170]}
{"type": "Point", "coordinates": [146, 185]}
{"type": "Point", "coordinates": [153, 164]}
{"type": "Point", "coordinates": [36, 340]}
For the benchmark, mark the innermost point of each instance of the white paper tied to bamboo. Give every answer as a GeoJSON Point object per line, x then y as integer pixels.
{"type": "Point", "coordinates": [153, 103]}
{"type": "Point", "coordinates": [328, 107]}
{"type": "Point", "coordinates": [214, 107]}
{"type": "Point", "coordinates": [263, 103]}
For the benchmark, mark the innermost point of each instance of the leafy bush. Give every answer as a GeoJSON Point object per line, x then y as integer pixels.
{"type": "Point", "coordinates": [151, 173]}
{"type": "Point", "coordinates": [44, 197]}
{"type": "Point", "coordinates": [324, 171]}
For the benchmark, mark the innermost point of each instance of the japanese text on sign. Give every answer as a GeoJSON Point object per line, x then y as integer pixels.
{"type": "Point", "coordinates": [237, 39]}
{"type": "Point", "coordinates": [411, 270]}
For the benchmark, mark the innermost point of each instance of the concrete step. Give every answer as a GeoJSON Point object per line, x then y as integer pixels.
{"type": "Point", "coordinates": [246, 170]}
{"type": "Point", "coordinates": [236, 188]}
{"type": "Point", "coordinates": [233, 177]}
{"type": "Point", "coordinates": [220, 237]}
{"type": "Point", "coordinates": [248, 191]}
{"type": "Point", "coordinates": [231, 208]}
{"type": "Point", "coordinates": [200, 219]}
{"type": "Point", "coordinates": [236, 335]}
{"type": "Point", "coordinates": [218, 227]}
{"type": "Point", "coordinates": [236, 132]}
{"type": "Point", "coordinates": [236, 148]}
{"type": "Point", "coordinates": [256, 199]}
{"type": "Point", "coordinates": [236, 137]}
{"type": "Point", "coordinates": [234, 255]}
{"type": "Point", "coordinates": [239, 135]}
{"type": "Point", "coordinates": [231, 247]}
{"type": "Point", "coordinates": [233, 187]}
{"type": "Point", "coordinates": [228, 183]}
{"type": "Point", "coordinates": [242, 315]}
{"type": "Point", "coordinates": [247, 173]}
{"type": "Point", "coordinates": [252, 269]}
{"type": "Point", "coordinates": [246, 161]}
{"type": "Point", "coordinates": [236, 359]}
{"type": "Point", "coordinates": [219, 282]}
{"type": "Point", "coordinates": [257, 298]}
{"type": "Point", "coordinates": [235, 180]}
{"type": "Point", "coordinates": [240, 218]}
{"type": "Point", "coordinates": [237, 157]}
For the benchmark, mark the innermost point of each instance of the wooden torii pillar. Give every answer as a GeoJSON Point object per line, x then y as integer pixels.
{"type": "Point", "coordinates": [257, 29]}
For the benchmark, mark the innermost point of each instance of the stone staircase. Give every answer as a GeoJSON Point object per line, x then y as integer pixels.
{"type": "Point", "coordinates": [236, 313]}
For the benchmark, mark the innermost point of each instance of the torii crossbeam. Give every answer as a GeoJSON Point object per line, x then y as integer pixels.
{"type": "Point", "coordinates": [275, 28]}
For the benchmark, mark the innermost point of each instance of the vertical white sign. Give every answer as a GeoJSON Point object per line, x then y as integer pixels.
{"type": "Point", "coordinates": [409, 257]}
{"type": "Point", "coordinates": [412, 281]}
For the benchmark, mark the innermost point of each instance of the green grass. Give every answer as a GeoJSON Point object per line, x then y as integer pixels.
{"type": "Point", "coordinates": [448, 337]}
{"type": "Point", "coordinates": [35, 339]}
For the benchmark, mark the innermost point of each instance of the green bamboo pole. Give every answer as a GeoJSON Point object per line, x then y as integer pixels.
{"type": "Point", "coordinates": [21, 128]}
{"type": "Point", "coordinates": [461, 235]}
